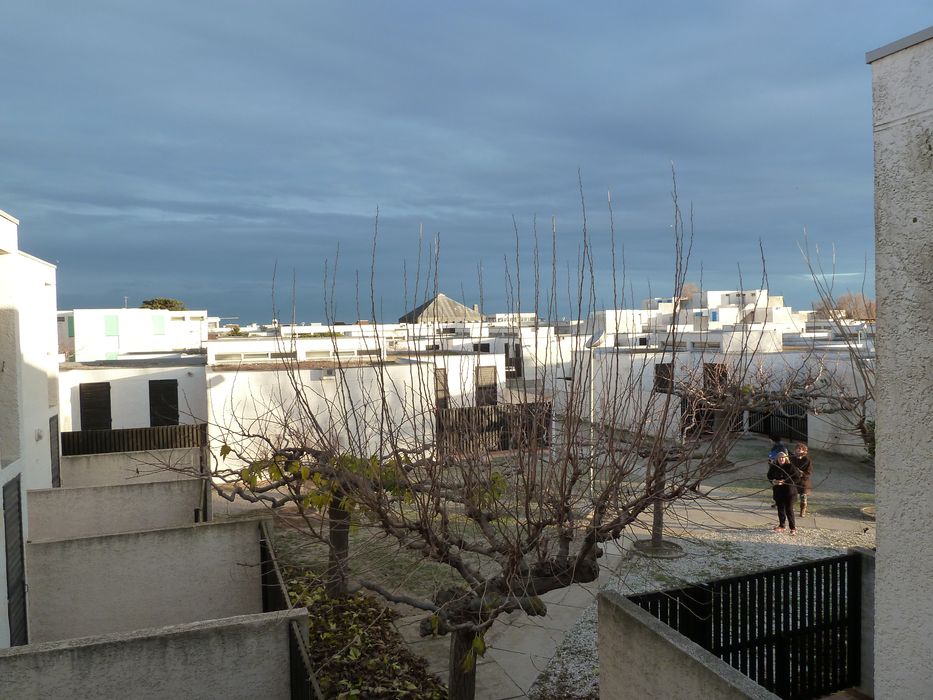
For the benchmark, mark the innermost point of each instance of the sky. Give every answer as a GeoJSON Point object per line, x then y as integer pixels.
{"type": "Point", "coordinates": [256, 158]}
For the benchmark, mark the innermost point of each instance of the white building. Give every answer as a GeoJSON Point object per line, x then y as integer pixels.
{"type": "Point", "coordinates": [137, 393]}
{"type": "Point", "coordinates": [87, 335]}
{"type": "Point", "coordinates": [29, 451]}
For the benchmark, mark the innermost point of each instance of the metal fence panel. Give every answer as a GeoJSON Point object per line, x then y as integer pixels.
{"type": "Point", "coordinates": [795, 630]}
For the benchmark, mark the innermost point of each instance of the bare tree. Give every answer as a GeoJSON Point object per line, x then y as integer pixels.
{"type": "Point", "coordinates": [842, 385]}
{"type": "Point", "coordinates": [848, 305]}
{"type": "Point", "coordinates": [367, 439]}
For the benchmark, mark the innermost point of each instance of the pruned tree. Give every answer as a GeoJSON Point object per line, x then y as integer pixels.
{"type": "Point", "coordinates": [366, 440]}
{"type": "Point", "coordinates": [163, 303]}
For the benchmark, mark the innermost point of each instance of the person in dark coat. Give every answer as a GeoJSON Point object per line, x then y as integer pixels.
{"type": "Point", "coordinates": [777, 447]}
{"type": "Point", "coordinates": [802, 462]}
{"type": "Point", "coordinates": [782, 475]}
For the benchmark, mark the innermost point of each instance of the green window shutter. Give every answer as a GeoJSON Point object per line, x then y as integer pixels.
{"type": "Point", "coordinates": [71, 326]}
{"type": "Point", "coordinates": [111, 325]}
{"type": "Point", "coordinates": [158, 325]}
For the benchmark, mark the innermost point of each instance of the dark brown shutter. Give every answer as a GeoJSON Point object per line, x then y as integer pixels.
{"type": "Point", "coordinates": [54, 453]}
{"type": "Point", "coordinates": [15, 569]}
{"type": "Point", "coordinates": [163, 402]}
{"type": "Point", "coordinates": [95, 406]}
{"type": "Point", "coordinates": [486, 386]}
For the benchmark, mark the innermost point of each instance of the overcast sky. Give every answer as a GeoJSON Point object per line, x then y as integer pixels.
{"type": "Point", "coordinates": [186, 149]}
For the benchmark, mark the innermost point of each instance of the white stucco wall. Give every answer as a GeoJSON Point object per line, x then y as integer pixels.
{"type": "Point", "coordinates": [353, 405]}
{"type": "Point", "coordinates": [129, 392]}
{"type": "Point", "coordinates": [28, 380]}
{"type": "Point", "coordinates": [115, 583]}
{"type": "Point", "coordinates": [902, 88]}
{"type": "Point", "coordinates": [137, 331]}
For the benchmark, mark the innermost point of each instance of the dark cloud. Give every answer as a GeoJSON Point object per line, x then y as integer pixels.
{"type": "Point", "coordinates": [190, 149]}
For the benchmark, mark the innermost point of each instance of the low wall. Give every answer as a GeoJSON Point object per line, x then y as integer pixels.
{"type": "Point", "coordinates": [106, 510]}
{"type": "Point", "coordinates": [641, 657]}
{"type": "Point", "coordinates": [137, 467]}
{"type": "Point", "coordinates": [197, 660]}
{"type": "Point", "coordinates": [834, 433]}
{"type": "Point", "coordinates": [116, 583]}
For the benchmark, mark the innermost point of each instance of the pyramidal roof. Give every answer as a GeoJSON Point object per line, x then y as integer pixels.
{"type": "Point", "coordinates": [441, 309]}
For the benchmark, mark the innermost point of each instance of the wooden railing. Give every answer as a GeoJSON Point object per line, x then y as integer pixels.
{"type": "Point", "coordinates": [491, 428]}
{"type": "Point", "coordinates": [166, 437]}
{"type": "Point", "coordinates": [796, 631]}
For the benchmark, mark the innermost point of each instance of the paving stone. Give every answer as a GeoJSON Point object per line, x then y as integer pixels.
{"type": "Point", "coordinates": [523, 669]}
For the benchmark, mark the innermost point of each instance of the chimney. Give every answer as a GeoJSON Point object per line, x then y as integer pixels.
{"type": "Point", "coordinates": [476, 308]}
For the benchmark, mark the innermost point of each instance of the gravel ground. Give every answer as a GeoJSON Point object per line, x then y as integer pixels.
{"type": "Point", "coordinates": [573, 672]}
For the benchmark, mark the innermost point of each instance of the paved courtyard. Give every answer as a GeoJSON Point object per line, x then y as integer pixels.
{"type": "Point", "coordinates": [727, 530]}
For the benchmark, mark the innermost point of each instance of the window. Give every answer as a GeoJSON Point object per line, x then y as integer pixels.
{"type": "Point", "coordinates": [714, 316]}
{"type": "Point", "coordinates": [71, 326]}
{"type": "Point", "coordinates": [486, 386]}
{"type": "Point", "coordinates": [163, 402]}
{"type": "Point", "coordinates": [94, 400]}
{"type": "Point", "coordinates": [513, 361]}
{"type": "Point", "coordinates": [441, 391]}
{"type": "Point", "coordinates": [430, 348]}
{"type": "Point", "coordinates": [480, 347]}
{"type": "Point", "coordinates": [158, 325]}
{"type": "Point", "coordinates": [111, 324]}
{"type": "Point", "coordinates": [664, 377]}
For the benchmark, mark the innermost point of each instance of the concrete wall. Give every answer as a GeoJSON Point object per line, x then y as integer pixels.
{"type": "Point", "coordinates": [352, 407]}
{"type": "Point", "coordinates": [129, 467]}
{"type": "Point", "coordinates": [198, 660]}
{"type": "Point", "coordinates": [129, 393]}
{"type": "Point", "coordinates": [105, 510]}
{"type": "Point", "coordinates": [641, 657]}
{"type": "Point", "coordinates": [116, 583]}
{"type": "Point", "coordinates": [902, 87]}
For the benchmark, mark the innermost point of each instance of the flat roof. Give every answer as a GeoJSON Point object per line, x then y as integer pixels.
{"type": "Point", "coordinates": [138, 363]}
{"type": "Point", "coordinates": [900, 45]}
{"type": "Point", "coordinates": [9, 217]}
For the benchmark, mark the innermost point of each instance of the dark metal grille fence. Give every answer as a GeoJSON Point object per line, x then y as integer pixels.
{"type": "Point", "coordinates": [490, 428]}
{"type": "Point", "coordinates": [304, 685]}
{"type": "Point", "coordinates": [790, 421]}
{"type": "Point", "coordinates": [795, 630]}
{"type": "Point", "coordinates": [166, 437]}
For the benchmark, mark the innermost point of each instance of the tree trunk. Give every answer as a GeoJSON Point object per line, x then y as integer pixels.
{"type": "Point", "coordinates": [657, 520]}
{"type": "Point", "coordinates": [338, 531]}
{"type": "Point", "coordinates": [461, 684]}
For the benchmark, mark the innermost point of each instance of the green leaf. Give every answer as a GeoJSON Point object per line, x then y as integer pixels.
{"type": "Point", "coordinates": [224, 451]}
{"type": "Point", "coordinates": [479, 645]}
{"type": "Point", "coordinates": [305, 470]}
{"type": "Point", "coordinates": [469, 661]}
